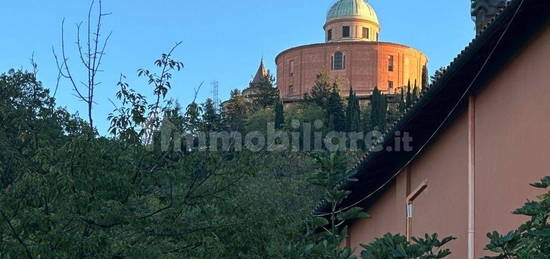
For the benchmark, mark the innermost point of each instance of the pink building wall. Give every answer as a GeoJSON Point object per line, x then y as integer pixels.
{"type": "Point", "coordinates": [511, 150]}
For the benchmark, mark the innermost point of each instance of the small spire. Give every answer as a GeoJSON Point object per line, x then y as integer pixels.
{"type": "Point", "coordinates": [260, 75]}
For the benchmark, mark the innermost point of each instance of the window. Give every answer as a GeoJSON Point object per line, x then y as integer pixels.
{"type": "Point", "coordinates": [390, 85]}
{"type": "Point", "coordinates": [377, 36]}
{"type": "Point", "coordinates": [390, 63]}
{"type": "Point", "coordinates": [292, 68]}
{"type": "Point", "coordinates": [365, 33]}
{"type": "Point", "coordinates": [329, 35]}
{"type": "Point", "coordinates": [346, 32]}
{"type": "Point", "coordinates": [338, 61]}
{"type": "Point", "coordinates": [290, 90]}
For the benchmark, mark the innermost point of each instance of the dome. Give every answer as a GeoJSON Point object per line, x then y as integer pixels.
{"type": "Point", "coordinates": [352, 9]}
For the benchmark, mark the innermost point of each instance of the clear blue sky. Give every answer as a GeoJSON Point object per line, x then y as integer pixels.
{"type": "Point", "coordinates": [222, 40]}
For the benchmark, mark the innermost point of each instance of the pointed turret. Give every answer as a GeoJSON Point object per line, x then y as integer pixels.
{"type": "Point", "coordinates": [260, 75]}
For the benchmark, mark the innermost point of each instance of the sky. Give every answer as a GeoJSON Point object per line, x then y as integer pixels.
{"type": "Point", "coordinates": [221, 40]}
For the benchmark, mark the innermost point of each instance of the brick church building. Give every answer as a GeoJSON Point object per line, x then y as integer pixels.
{"type": "Point", "coordinates": [352, 55]}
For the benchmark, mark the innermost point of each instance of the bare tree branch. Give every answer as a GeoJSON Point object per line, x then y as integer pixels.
{"type": "Point", "coordinates": [197, 91]}
{"type": "Point", "coordinates": [65, 70]}
{"type": "Point", "coordinates": [34, 66]}
{"type": "Point", "coordinates": [91, 60]}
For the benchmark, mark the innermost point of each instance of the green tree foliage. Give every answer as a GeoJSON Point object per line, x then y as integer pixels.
{"type": "Point", "coordinates": [438, 74]}
{"type": "Point", "coordinates": [296, 117]}
{"type": "Point", "coordinates": [402, 106]}
{"type": "Point", "coordinates": [236, 110]}
{"type": "Point", "coordinates": [211, 118]}
{"type": "Point", "coordinates": [67, 192]}
{"type": "Point", "coordinates": [305, 113]}
{"type": "Point", "coordinates": [409, 99]}
{"type": "Point", "coordinates": [326, 243]}
{"type": "Point", "coordinates": [326, 95]}
{"type": "Point", "coordinates": [320, 93]}
{"type": "Point", "coordinates": [532, 239]}
{"type": "Point", "coordinates": [269, 207]}
{"type": "Point", "coordinates": [366, 115]}
{"type": "Point", "coordinates": [397, 246]}
{"type": "Point", "coordinates": [415, 93]}
{"type": "Point", "coordinates": [353, 113]}
{"type": "Point", "coordinates": [192, 117]}
{"type": "Point", "coordinates": [279, 114]}
{"type": "Point", "coordinates": [425, 77]}
{"type": "Point", "coordinates": [379, 110]}
{"type": "Point", "coordinates": [258, 121]}
{"type": "Point", "coordinates": [266, 94]}
{"type": "Point", "coordinates": [393, 113]}
{"type": "Point", "coordinates": [335, 110]}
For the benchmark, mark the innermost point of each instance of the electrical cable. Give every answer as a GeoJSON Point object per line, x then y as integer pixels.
{"type": "Point", "coordinates": [440, 125]}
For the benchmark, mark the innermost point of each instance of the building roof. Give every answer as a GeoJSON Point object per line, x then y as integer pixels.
{"type": "Point", "coordinates": [260, 75]}
{"type": "Point", "coordinates": [508, 34]}
{"type": "Point", "coordinates": [476, 4]}
{"type": "Point", "coordinates": [352, 9]}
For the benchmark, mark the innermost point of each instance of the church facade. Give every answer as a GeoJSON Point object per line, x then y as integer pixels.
{"type": "Point", "coordinates": [352, 55]}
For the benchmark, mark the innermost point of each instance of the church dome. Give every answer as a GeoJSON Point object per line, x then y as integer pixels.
{"type": "Point", "coordinates": [352, 9]}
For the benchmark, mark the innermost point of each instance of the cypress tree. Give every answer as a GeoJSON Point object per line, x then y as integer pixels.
{"type": "Point", "coordinates": [335, 111]}
{"type": "Point", "coordinates": [402, 104]}
{"type": "Point", "coordinates": [279, 115]}
{"type": "Point", "coordinates": [353, 113]}
{"type": "Point", "coordinates": [211, 119]}
{"type": "Point", "coordinates": [409, 99]}
{"type": "Point", "coordinates": [393, 114]}
{"type": "Point", "coordinates": [425, 77]}
{"type": "Point", "coordinates": [366, 117]}
{"type": "Point", "coordinates": [415, 93]}
{"type": "Point", "coordinates": [384, 112]}
{"type": "Point", "coordinates": [379, 110]}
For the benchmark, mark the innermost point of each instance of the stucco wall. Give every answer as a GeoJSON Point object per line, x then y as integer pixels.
{"type": "Point", "coordinates": [441, 208]}
{"type": "Point", "coordinates": [386, 216]}
{"type": "Point", "coordinates": [512, 139]}
{"type": "Point", "coordinates": [511, 150]}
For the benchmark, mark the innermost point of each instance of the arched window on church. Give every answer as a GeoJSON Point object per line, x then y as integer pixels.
{"type": "Point", "coordinates": [338, 61]}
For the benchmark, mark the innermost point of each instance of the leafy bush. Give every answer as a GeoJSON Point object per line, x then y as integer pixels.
{"type": "Point", "coordinates": [530, 240]}
{"type": "Point", "coordinates": [397, 246]}
{"type": "Point", "coordinates": [67, 192]}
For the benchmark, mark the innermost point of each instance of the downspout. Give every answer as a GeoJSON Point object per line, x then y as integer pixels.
{"type": "Point", "coordinates": [471, 177]}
